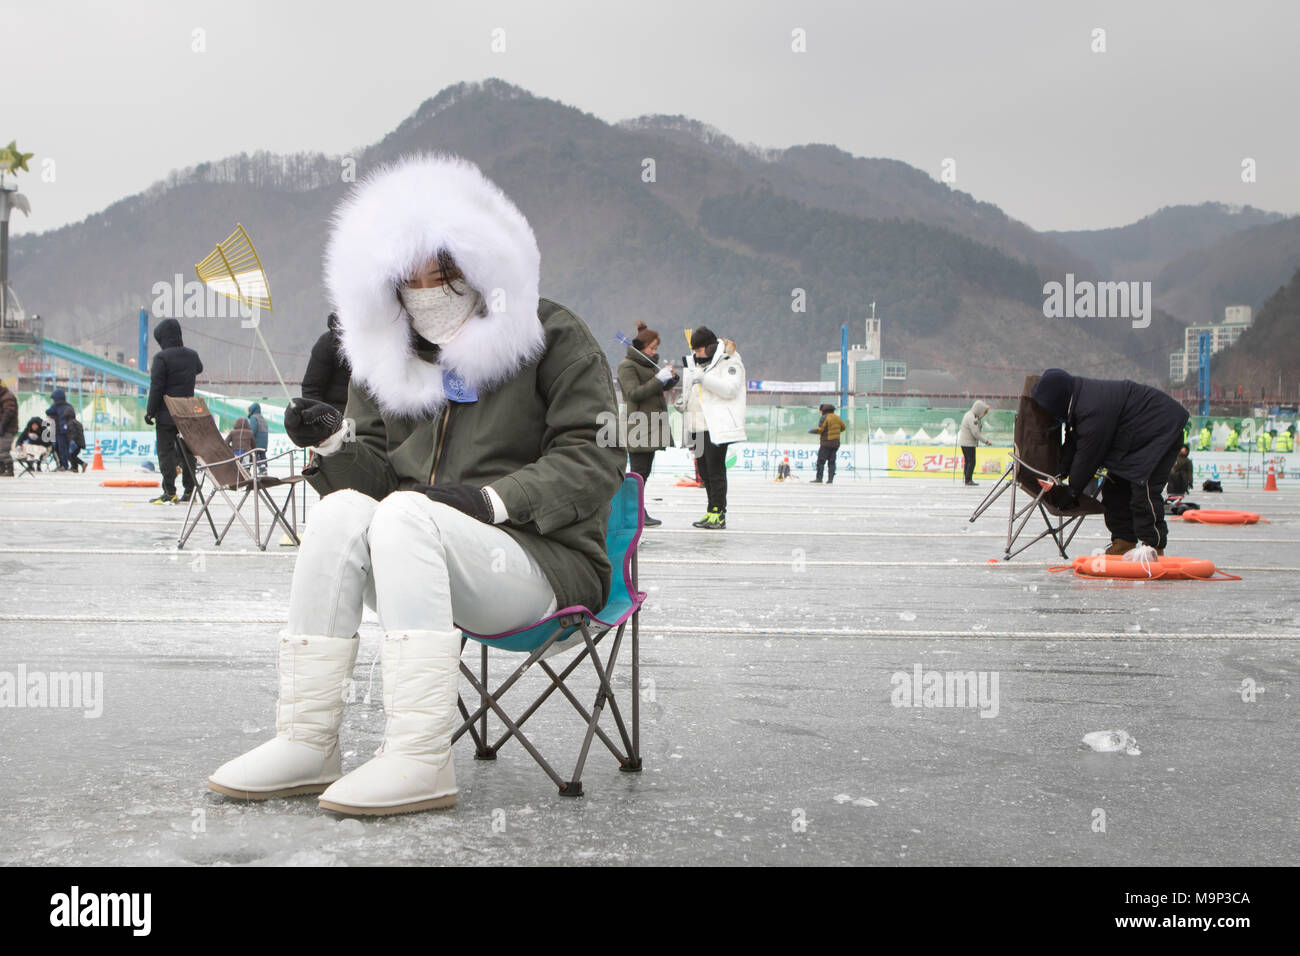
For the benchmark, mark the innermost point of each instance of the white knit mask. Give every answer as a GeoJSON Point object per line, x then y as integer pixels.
{"type": "Point", "coordinates": [438, 314]}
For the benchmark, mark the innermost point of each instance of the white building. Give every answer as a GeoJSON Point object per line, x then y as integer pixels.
{"type": "Point", "coordinates": [1236, 319]}
{"type": "Point", "coordinates": [868, 372]}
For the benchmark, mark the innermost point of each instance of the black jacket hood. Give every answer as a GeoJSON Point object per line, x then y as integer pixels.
{"type": "Point", "coordinates": [1054, 391]}
{"type": "Point", "coordinates": [168, 334]}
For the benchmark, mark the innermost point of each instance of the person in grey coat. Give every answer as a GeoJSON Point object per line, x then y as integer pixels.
{"type": "Point", "coordinates": [971, 434]}
{"type": "Point", "coordinates": [644, 384]}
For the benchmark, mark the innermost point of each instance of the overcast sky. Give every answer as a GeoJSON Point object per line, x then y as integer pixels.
{"type": "Point", "coordinates": [1057, 135]}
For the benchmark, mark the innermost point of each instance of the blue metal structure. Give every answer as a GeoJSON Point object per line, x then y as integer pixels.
{"type": "Point", "coordinates": [143, 362]}
{"type": "Point", "coordinates": [844, 365]}
{"type": "Point", "coordinates": [1203, 374]}
{"type": "Point", "coordinates": [217, 404]}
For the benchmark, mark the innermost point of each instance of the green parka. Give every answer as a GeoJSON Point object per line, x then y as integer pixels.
{"type": "Point", "coordinates": [533, 440]}
{"type": "Point", "coordinates": [646, 415]}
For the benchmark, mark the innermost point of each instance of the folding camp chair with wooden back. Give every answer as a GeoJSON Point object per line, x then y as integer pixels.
{"type": "Point", "coordinates": [1035, 457]}
{"type": "Point", "coordinates": [568, 628]}
{"type": "Point", "coordinates": [223, 472]}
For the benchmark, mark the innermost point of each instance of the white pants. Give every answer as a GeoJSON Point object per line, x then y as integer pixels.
{"type": "Point", "coordinates": [421, 564]}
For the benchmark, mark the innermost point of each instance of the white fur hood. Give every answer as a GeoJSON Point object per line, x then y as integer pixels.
{"type": "Point", "coordinates": [394, 221]}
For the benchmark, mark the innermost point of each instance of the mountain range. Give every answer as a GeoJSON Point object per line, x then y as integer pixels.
{"type": "Point", "coordinates": [665, 220]}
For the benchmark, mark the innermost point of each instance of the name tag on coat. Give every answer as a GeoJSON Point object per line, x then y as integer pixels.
{"type": "Point", "coordinates": [456, 388]}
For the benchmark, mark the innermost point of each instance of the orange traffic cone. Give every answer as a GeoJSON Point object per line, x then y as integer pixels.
{"type": "Point", "coordinates": [692, 482]}
{"type": "Point", "coordinates": [1270, 483]}
{"type": "Point", "coordinates": [98, 463]}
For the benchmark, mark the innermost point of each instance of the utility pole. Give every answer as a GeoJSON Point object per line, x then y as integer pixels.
{"type": "Point", "coordinates": [844, 364]}
{"type": "Point", "coordinates": [11, 161]}
{"type": "Point", "coordinates": [1203, 374]}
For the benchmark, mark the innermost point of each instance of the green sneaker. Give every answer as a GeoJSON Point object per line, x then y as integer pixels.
{"type": "Point", "coordinates": [714, 520]}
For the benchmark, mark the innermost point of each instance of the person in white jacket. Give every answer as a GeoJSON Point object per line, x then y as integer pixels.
{"type": "Point", "coordinates": [713, 402]}
{"type": "Point", "coordinates": [971, 435]}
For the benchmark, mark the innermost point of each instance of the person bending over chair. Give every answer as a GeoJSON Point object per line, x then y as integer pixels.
{"type": "Point", "coordinates": [465, 488]}
{"type": "Point", "coordinates": [1135, 432]}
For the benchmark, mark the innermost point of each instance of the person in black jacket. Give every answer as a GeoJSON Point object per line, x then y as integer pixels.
{"type": "Point", "coordinates": [173, 372]}
{"type": "Point", "coordinates": [8, 428]}
{"type": "Point", "coordinates": [1135, 431]}
{"type": "Point", "coordinates": [59, 405]}
{"type": "Point", "coordinates": [327, 376]}
{"type": "Point", "coordinates": [76, 438]}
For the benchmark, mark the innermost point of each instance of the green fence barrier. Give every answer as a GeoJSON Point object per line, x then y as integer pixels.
{"type": "Point", "coordinates": [112, 412]}
{"type": "Point", "coordinates": [775, 424]}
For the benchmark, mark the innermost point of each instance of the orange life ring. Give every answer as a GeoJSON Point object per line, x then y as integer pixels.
{"type": "Point", "coordinates": [1212, 516]}
{"type": "Point", "coordinates": [128, 483]}
{"type": "Point", "coordinates": [1167, 568]}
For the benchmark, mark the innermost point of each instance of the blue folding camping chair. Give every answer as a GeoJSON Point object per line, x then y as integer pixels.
{"type": "Point", "coordinates": [567, 628]}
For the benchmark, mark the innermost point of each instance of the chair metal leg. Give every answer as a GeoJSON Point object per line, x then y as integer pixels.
{"type": "Point", "coordinates": [1055, 532]}
{"type": "Point", "coordinates": [582, 712]}
{"type": "Point", "coordinates": [236, 512]}
{"type": "Point", "coordinates": [1011, 517]}
{"type": "Point", "coordinates": [277, 518]}
{"type": "Point", "coordinates": [516, 732]}
{"type": "Point", "coordinates": [501, 690]}
{"type": "Point", "coordinates": [993, 495]}
{"type": "Point", "coordinates": [1077, 523]}
{"type": "Point", "coordinates": [190, 524]}
{"type": "Point", "coordinates": [557, 683]}
{"type": "Point", "coordinates": [604, 692]}
{"type": "Point", "coordinates": [257, 514]}
{"type": "Point", "coordinates": [482, 752]}
{"type": "Point", "coordinates": [475, 722]}
{"type": "Point", "coordinates": [468, 724]}
{"type": "Point", "coordinates": [186, 527]}
{"type": "Point", "coordinates": [633, 764]}
{"type": "Point", "coordinates": [205, 511]}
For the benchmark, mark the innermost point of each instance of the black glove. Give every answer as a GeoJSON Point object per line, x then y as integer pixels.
{"type": "Point", "coordinates": [309, 422]}
{"type": "Point", "coordinates": [472, 501]}
{"type": "Point", "coordinates": [148, 419]}
{"type": "Point", "coordinates": [1067, 498]}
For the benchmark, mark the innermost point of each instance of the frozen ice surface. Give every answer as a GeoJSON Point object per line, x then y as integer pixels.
{"type": "Point", "coordinates": [791, 668]}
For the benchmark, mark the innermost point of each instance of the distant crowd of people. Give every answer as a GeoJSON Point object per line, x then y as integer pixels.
{"type": "Point", "coordinates": [56, 441]}
{"type": "Point", "coordinates": [1136, 433]}
{"type": "Point", "coordinates": [53, 443]}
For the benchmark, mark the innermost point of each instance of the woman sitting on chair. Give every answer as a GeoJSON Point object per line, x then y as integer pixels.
{"type": "Point", "coordinates": [34, 443]}
{"type": "Point", "coordinates": [464, 488]}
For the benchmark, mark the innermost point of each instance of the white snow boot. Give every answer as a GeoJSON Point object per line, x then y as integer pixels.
{"type": "Point", "coordinates": [412, 769]}
{"type": "Point", "coordinates": [304, 755]}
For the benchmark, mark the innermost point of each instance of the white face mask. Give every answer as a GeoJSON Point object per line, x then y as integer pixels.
{"type": "Point", "coordinates": [438, 314]}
